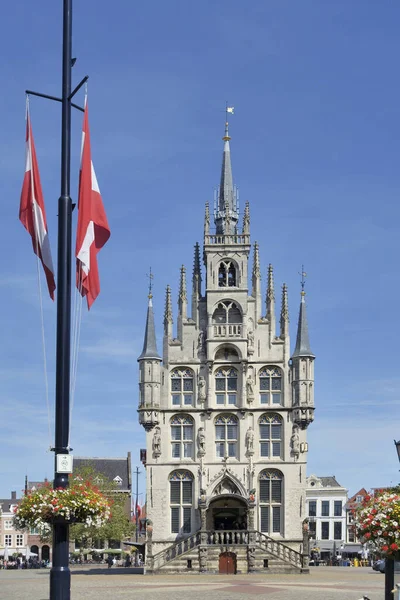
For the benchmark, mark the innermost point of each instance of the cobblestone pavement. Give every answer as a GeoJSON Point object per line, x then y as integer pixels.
{"type": "Point", "coordinates": [323, 583]}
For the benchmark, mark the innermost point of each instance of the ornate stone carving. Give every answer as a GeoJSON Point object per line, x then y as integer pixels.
{"type": "Point", "coordinates": [203, 558]}
{"type": "Point", "coordinates": [201, 388]}
{"type": "Point", "coordinates": [250, 441]}
{"type": "Point", "coordinates": [157, 442]}
{"type": "Point", "coordinates": [251, 558]}
{"type": "Point", "coordinates": [295, 442]}
{"type": "Point", "coordinates": [250, 342]}
{"type": "Point", "coordinates": [201, 441]}
{"type": "Point", "coordinates": [250, 388]}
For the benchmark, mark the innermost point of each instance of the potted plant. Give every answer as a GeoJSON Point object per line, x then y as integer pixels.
{"type": "Point", "coordinates": [82, 503]}
{"type": "Point", "coordinates": [377, 522]}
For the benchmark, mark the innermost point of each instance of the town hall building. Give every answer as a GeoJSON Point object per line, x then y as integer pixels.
{"type": "Point", "coordinates": [226, 410]}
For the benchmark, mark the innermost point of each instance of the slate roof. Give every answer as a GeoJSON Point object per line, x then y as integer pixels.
{"type": "Point", "coordinates": [5, 503]}
{"type": "Point", "coordinates": [150, 344]}
{"type": "Point", "coordinates": [329, 481]}
{"type": "Point", "coordinates": [302, 341]}
{"type": "Point", "coordinates": [109, 467]}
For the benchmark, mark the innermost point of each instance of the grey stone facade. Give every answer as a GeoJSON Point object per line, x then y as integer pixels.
{"type": "Point", "coordinates": [226, 408]}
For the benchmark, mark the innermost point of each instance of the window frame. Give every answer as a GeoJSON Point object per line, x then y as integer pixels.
{"type": "Point", "coordinates": [8, 538]}
{"type": "Point", "coordinates": [271, 509]}
{"type": "Point", "coordinates": [226, 442]}
{"type": "Point", "coordinates": [268, 375]}
{"type": "Point", "coordinates": [337, 508]}
{"type": "Point", "coordinates": [229, 374]}
{"type": "Point", "coordinates": [314, 504]}
{"type": "Point", "coordinates": [183, 423]}
{"type": "Point", "coordinates": [182, 509]}
{"type": "Point", "coordinates": [182, 374]}
{"type": "Point", "coordinates": [326, 524]}
{"type": "Point", "coordinates": [325, 504]}
{"type": "Point", "coordinates": [335, 525]}
{"type": "Point", "coordinates": [270, 420]}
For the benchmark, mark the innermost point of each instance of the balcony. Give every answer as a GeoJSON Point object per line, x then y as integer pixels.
{"type": "Point", "coordinates": [228, 330]}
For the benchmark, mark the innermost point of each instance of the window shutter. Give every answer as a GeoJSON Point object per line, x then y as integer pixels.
{"type": "Point", "coordinates": [265, 517]}
{"type": "Point", "coordinates": [232, 432]}
{"type": "Point", "coordinates": [187, 520]}
{"type": "Point", "coordinates": [175, 520]}
{"type": "Point", "coordinates": [276, 431]}
{"type": "Point", "coordinates": [264, 432]}
{"type": "Point", "coordinates": [276, 519]}
{"type": "Point", "coordinates": [188, 432]}
{"type": "Point", "coordinates": [175, 492]}
{"type": "Point", "coordinates": [276, 495]}
{"type": "Point", "coordinates": [176, 432]}
{"type": "Point", "coordinates": [220, 432]}
{"type": "Point", "coordinates": [186, 492]}
{"type": "Point", "coordinates": [264, 490]}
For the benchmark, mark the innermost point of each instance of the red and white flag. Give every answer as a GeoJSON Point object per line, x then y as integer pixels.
{"type": "Point", "coordinates": [32, 213]}
{"type": "Point", "coordinates": [93, 230]}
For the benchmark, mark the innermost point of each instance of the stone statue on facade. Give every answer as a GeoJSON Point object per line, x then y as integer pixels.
{"type": "Point", "coordinates": [201, 441]}
{"type": "Point", "coordinates": [202, 393]}
{"type": "Point", "coordinates": [250, 342]}
{"type": "Point", "coordinates": [250, 440]}
{"type": "Point", "coordinates": [200, 340]}
{"type": "Point", "coordinates": [295, 442]}
{"type": "Point", "coordinates": [157, 442]}
{"type": "Point", "coordinates": [250, 388]}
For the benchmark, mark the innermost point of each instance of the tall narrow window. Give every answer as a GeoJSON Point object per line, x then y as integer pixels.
{"type": "Point", "coordinates": [271, 436]}
{"type": "Point", "coordinates": [181, 501]}
{"type": "Point", "coordinates": [337, 508]}
{"type": "Point", "coordinates": [337, 530]}
{"type": "Point", "coordinates": [270, 385]}
{"type": "Point", "coordinates": [312, 508]}
{"type": "Point", "coordinates": [182, 436]}
{"type": "Point", "coordinates": [271, 502]}
{"type": "Point", "coordinates": [325, 508]}
{"type": "Point", "coordinates": [182, 387]}
{"type": "Point", "coordinates": [325, 530]}
{"type": "Point", "coordinates": [226, 385]}
{"type": "Point", "coordinates": [226, 436]}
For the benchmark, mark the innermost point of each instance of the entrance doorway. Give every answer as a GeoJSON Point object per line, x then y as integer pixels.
{"type": "Point", "coordinates": [227, 513]}
{"type": "Point", "coordinates": [227, 563]}
{"type": "Point", "coordinates": [45, 553]}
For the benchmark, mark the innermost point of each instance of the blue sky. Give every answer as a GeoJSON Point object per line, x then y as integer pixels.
{"type": "Point", "coordinates": [315, 149]}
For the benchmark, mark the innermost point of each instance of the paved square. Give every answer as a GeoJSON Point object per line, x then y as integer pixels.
{"type": "Point", "coordinates": [323, 583]}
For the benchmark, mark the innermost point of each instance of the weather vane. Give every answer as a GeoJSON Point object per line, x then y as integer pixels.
{"type": "Point", "coordinates": [303, 279]}
{"type": "Point", "coordinates": [151, 277]}
{"type": "Point", "coordinates": [228, 109]}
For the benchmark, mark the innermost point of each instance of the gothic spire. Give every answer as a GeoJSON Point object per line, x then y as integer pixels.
{"type": "Point", "coordinates": [182, 286]}
{"type": "Point", "coordinates": [196, 280]}
{"type": "Point", "coordinates": [284, 312]}
{"type": "Point", "coordinates": [168, 320]}
{"type": "Point", "coordinates": [150, 344]}
{"type": "Point", "coordinates": [256, 275]}
{"type": "Point", "coordinates": [207, 220]}
{"type": "Point", "coordinates": [226, 215]}
{"type": "Point", "coordinates": [302, 340]}
{"type": "Point", "coordinates": [246, 220]}
{"type": "Point", "coordinates": [270, 300]}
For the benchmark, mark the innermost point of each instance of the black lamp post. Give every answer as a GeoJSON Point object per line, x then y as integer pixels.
{"type": "Point", "coordinates": [397, 444]}
{"type": "Point", "coordinates": [389, 562]}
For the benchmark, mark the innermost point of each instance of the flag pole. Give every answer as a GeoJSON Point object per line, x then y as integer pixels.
{"type": "Point", "coordinates": [60, 575]}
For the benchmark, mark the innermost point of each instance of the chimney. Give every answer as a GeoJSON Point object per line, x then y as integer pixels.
{"type": "Point", "coordinates": [13, 495]}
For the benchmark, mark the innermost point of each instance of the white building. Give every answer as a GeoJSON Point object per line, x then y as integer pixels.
{"type": "Point", "coordinates": [226, 411]}
{"type": "Point", "coordinates": [326, 509]}
{"type": "Point", "coordinates": [14, 540]}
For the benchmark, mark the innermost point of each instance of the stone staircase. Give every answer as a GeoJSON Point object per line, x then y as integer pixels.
{"type": "Point", "coordinates": [254, 551]}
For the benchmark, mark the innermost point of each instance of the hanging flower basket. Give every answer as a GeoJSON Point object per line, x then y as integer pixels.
{"type": "Point", "coordinates": [377, 523]}
{"type": "Point", "coordinates": [80, 503]}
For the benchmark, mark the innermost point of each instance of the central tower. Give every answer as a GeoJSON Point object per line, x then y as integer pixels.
{"type": "Point", "coordinates": [226, 408]}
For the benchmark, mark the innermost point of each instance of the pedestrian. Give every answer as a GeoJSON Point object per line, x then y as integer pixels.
{"type": "Point", "coordinates": [110, 561]}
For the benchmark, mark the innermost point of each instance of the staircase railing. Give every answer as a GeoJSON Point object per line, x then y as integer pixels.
{"type": "Point", "coordinates": [229, 538]}
{"type": "Point", "coordinates": [278, 549]}
{"type": "Point", "coordinates": [177, 549]}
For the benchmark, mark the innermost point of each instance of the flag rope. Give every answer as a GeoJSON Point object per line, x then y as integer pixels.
{"type": "Point", "coordinates": [76, 336]}
{"type": "Point", "coordinates": [38, 260]}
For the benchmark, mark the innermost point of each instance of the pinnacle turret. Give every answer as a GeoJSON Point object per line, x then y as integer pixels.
{"type": "Point", "coordinates": [284, 321]}
{"type": "Point", "coordinates": [246, 219]}
{"type": "Point", "coordinates": [150, 344]}
{"type": "Point", "coordinates": [270, 301]}
{"type": "Point", "coordinates": [226, 212]}
{"type": "Point", "coordinates": [168, 319]}
{"type": "Point", "coordinates": [302, 347]}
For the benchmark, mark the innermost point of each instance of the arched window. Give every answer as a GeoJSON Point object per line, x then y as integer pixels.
{"type": "Point", "coordinates": [181, 436]}
{"type": "Point", "coordinates": [271, 503]}
{"type": "Point", "coordinates": [226, 385]}
{"type": "Point", "coordinates": [182, 387]}
{"type": "Point", "coordinates": [227, 319]}
{"type": "Point", "coordinates": [181, 500]}
{"type": "Point", "coordinates": [227, 274]}
{"type": "Point", "coordinates": [226, 436]}
{"type": "Point", "coordinates": [271, 431]}
{"type": "Point", "coordinates": [270, 385]}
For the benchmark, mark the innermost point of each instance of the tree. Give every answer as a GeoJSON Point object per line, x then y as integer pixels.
{"type": "Point", "coordinates": [119, 525]}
